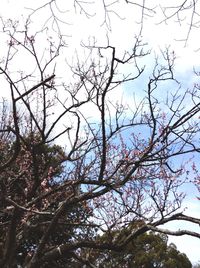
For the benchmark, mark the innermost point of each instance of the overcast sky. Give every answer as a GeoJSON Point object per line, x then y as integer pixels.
{"type": "Point", "coordinates": [158, 36]}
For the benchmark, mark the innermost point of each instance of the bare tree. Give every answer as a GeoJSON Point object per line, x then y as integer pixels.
{"type": "Point", "coordinates": [121, 162]}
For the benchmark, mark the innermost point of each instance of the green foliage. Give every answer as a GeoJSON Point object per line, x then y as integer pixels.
{"type": "Point", "coordinates": [36, 172]}
{"type": "Point", "coordinates": [149, 250]}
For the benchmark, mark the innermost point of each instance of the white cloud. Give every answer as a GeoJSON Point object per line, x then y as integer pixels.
{"type": "Point", "coordinates": [187, 244]}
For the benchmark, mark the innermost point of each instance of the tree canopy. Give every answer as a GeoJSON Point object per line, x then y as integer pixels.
{"type": "Point", "coordinates": [148, 251]}
{"type": "Point", "coordinates": [95, 137]}
{"type": "Point", "coordinates": [20, 184]}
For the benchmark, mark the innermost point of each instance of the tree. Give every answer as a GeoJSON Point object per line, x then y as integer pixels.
{"type": "Point", "coordinates": [75, 161]}
{"type": "Point", "coordinates": [148, 250]}
{"type": "Point", "coordinates": [20, 185]}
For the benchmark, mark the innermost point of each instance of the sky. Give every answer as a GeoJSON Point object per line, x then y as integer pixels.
{"type": "Point", "coordinates": [124, 25]}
